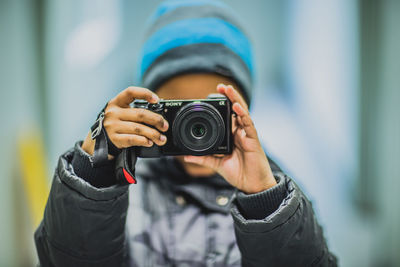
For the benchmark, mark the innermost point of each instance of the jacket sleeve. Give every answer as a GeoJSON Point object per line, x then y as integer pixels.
{"type": "Point", "coordinates": [82, 225]}
{"type": "Point", "coordinates": [287, 236]}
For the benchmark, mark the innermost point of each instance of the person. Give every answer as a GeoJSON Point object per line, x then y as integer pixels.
{"type": "Point", "coordinates": [215, 210]}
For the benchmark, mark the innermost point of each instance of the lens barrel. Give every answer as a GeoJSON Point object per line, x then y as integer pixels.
{"type": "Point", "coordinates": [198, 127]}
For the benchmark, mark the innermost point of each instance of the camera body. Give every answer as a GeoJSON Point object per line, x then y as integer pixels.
{"type": "Point", "coordinates": [197, 126]}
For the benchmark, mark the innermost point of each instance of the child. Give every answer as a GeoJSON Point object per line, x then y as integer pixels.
{"type": "Point", "coordinates": [215, 210]}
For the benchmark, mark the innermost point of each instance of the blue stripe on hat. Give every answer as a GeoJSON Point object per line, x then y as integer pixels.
{"type": "Point", "coordinates": [192, 31]}
{"type": "Point", "coordinates": [170, 5]}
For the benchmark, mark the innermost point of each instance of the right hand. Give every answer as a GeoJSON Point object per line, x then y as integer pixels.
{"type": "Point", "coordinates": [125, 126]}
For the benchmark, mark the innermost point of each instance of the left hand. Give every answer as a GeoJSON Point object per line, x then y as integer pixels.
{"type": "Point", "coordinates": [247, 168]}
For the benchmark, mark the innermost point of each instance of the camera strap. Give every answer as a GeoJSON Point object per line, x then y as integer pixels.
{"type": "Point", "coordinates": [125, 166]}
{"type": "Point", "coordinates": [103, 145]}
{"type": "Point", "coordinates": [125, 158]}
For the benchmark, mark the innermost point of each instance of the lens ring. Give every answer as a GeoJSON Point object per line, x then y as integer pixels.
{"type": "Point", "coordinates": [198, 113]}
{"type": "Point", "coordinates": [199, 143]}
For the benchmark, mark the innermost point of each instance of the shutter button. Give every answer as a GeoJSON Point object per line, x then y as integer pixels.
{"type": "Point", "coordinates": [222, 200]}
{"type": "Point", "coordinates": [180, 200]}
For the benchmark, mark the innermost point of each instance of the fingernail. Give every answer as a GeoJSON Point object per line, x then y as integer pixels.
{"type": "Point", "coordinates": [163, 138]}
{"type": "Point", "coordinates": [150, 142]}
{"type": "Point", "coordinates": [155, 98]}
{"type": "Point", "coordinates": [221, 85]}
{"type": "Point", "coordinates": [165, 125]}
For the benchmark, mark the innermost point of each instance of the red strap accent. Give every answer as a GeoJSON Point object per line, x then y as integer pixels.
{"type": "Point", "coordinates": [128, 177]}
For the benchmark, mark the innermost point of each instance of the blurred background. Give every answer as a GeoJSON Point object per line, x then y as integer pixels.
{"type": "Point", "coordinates": [327, 106]}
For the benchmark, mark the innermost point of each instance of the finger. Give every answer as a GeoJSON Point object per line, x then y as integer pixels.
{"type": "Point", "coordinates": [232, 94]}
{"type": "Point", "coordinates": [143, 116]}
{"type": "Point", "coordinates": [127, 127]}
{"type": "Point", "coordinates": [245, 121]}
{"type": "Point", "coordinates": [207, 161]}
{"type": "Point", "coordinates": [239, 138]}
{"type": "Point", "coordinates": [234, 123]}
{"type": "Point", "coordinates": [221, 88]}
{"type": "Point", "coordinates": [128, 140]}
{"type": "Point", "coordinates": [239, 110]}
{"type": "Point", "coordinates": [239, 121]}
{"type": "Point", "coordinates": [128, 95]}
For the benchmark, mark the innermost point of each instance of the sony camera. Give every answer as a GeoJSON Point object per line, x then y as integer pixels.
{"type": "Point", "coordinates": [197, 126]}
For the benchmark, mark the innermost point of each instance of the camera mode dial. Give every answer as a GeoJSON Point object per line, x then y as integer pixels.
{"type": "Point", "coordinates": [158, 107]}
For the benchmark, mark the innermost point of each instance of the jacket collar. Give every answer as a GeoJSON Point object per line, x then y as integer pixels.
{"type": "Point", "coordinates": [212, 193]}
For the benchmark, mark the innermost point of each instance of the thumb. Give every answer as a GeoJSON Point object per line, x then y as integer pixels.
{"type": "Point", "coordinates": [206, 161]}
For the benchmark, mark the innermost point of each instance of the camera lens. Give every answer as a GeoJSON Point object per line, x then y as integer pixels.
{"type": "Point", "coordinates": [198, 130]}
{"type": "Point", "coordinates": [198, 127]}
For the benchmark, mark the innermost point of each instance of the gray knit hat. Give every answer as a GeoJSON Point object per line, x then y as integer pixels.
{"type": "Point", "coordinates": [197, 36]}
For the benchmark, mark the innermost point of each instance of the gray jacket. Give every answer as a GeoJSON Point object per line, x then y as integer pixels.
{"type": "Point", "coordinates": [170, 219]}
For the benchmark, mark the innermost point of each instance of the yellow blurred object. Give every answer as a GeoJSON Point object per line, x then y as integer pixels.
{"type": "Point", "coordinates": [34, 173]}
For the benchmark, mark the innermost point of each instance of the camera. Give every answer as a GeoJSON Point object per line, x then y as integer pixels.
{"type": "Point", "coordinates": [197, 126]}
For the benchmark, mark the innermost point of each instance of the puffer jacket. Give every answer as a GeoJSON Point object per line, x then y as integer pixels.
{"type": "Point", "coordinates": [170, 219]}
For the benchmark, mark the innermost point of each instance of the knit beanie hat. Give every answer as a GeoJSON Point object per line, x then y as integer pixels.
{"type": "Point", "coordinates": [196, 36]}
